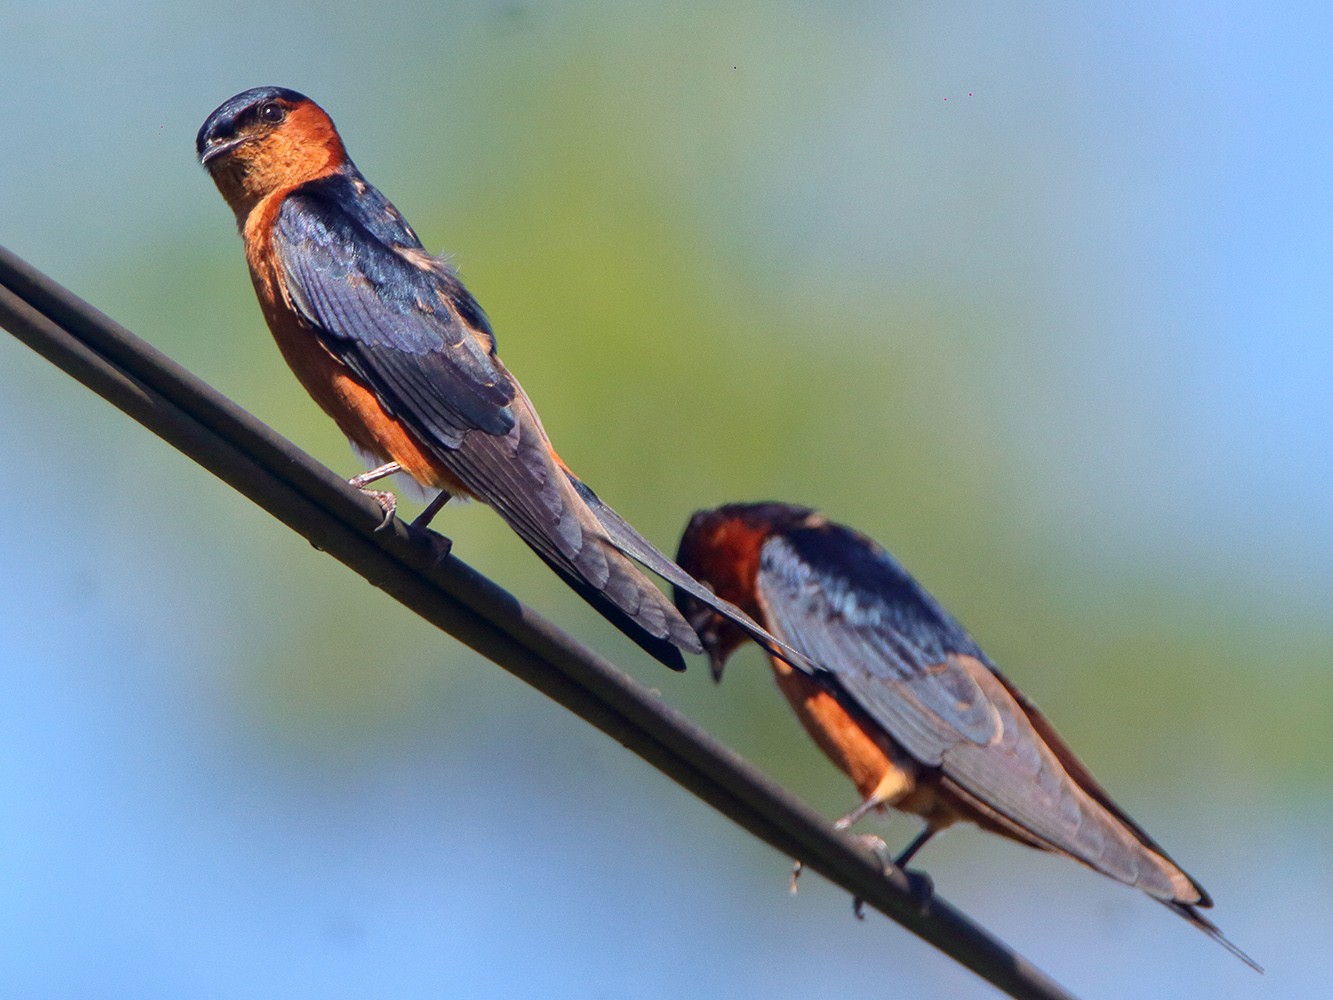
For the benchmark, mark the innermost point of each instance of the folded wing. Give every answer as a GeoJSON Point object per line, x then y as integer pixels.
{"type": "Point", "coordinates": [895, 653]}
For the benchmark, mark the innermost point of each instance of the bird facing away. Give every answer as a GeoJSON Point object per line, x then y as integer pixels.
{"type": "Point", "coordinates": [390, 344]}
{"type": "Point", "coordinates": [906, 703]}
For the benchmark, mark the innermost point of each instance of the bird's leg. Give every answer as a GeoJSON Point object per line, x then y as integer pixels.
{"type": "Point", "coordinates": [419, 527]}
{"type": "Point", "coordinates": [388, 502]}
{"type": "Point", "coordinates": [857, 813]}
{"type": "Point", "coordinates": [374, 475]}
{"type": "Point", "coordinates": [880, 849]}
{"type": "Point", "coordinates": [872, 842]}
{"type": "Point", "coordinates": [869, 840]}
{"type": "Point", "coordinates": [422, 521]}
{"type": "Point", "coordinates": [921, 885]}
{"type": "Point", "coordinates": [918, 842]}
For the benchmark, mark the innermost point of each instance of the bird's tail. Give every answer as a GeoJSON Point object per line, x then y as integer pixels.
{"type": "Point", "coordinates": [1123, 850]}
{"type": "Point", "coordinates": [595, 568]}
{"type": "Point", "coordinates": [521, 477]}
{"type": "Point", "coordinates": [587, 543]}
{"type": "Point", "coordinates": [1192, 914]}
{"type": "Point", "coordinates": [624, 537]}
{"type": "Point", "coordinates": [652, 631]}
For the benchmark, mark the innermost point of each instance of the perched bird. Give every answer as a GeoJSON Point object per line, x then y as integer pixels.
{"type": "Point", "coordinates": [390, 344]}
{"type": "Point", "coordinates": [906, 703]}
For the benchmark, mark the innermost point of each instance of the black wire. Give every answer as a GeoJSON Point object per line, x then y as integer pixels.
{"type": "Point", "coordinates": [320, 506]}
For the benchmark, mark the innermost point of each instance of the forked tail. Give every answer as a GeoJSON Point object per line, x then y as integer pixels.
{"type": "Point", "coordinates": [1192, 914]}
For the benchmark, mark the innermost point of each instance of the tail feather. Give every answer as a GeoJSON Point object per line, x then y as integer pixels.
{"type": "Point", "coordinates": [622, 535]}
{"type": "Point", "coordinates": [519, 476]}
{"type": "Point", "coordinates": [661, 646]}
{"type": "Point", "coordinates": [1196, 918]}
{"type": "Point", "coordinates": [620, 582]}
{"type": "Point", "coordinates": [620, 592]}
{"type": "Point", "coordinates": [586, 542]}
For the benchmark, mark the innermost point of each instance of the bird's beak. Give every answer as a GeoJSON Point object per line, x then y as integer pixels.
{"type": "Point", "coordinates": [222, 148]}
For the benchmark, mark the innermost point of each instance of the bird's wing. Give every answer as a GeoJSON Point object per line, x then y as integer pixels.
{"type": "Point", "coordinates": [405, 324]}
{"type": "Point", "coordinates": [895, 653]}
{"type": "Point", "coordinates": [862, 619]}
{"type": "Point", "coordinates": [402, 321]}
{"type": "Point", "coordinates": [397, 317]}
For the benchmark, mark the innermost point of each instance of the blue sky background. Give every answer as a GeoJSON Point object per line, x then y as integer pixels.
{"type": "Point", "coordinates": [1037, 297]}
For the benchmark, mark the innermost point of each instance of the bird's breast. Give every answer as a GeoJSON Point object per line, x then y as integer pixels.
{"type": "Point", "coordinates": [344, 396]}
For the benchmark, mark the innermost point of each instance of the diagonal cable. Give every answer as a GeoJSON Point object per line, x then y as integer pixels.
{"type": "Point", "coordinates": [320, 506]}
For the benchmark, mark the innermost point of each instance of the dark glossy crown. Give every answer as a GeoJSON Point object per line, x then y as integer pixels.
{"type": "Point", "coordinates": [236, 111]}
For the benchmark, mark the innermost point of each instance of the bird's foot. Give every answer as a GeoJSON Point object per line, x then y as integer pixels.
{"type": "Point", "coordinates": [920, 884]}
{"type": "Point", "coordinates": [880, 849]}
{"type": "Point", "coordinates": [388, 503]}
{"type": "Point", "coordinates": [922, 888]}
{"type": "Point", "coordinates": [872, 843]}
{"type": "Point", "coordinates": [422, 520]}
{"type": "Point", "coordinates": [439, 545]}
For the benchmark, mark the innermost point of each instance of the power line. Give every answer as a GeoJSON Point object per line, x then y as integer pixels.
{"type": "Point", "coordinates": [320, 506]}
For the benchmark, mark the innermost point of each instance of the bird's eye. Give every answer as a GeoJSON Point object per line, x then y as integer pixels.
{"type": "Point", "coordinates": [272, 112]}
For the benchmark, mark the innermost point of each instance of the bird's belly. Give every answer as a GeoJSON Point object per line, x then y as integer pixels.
{"type": "Point", "coordinates": [354, 406]}
{"type": "Point", "coordinates": [876, 765]}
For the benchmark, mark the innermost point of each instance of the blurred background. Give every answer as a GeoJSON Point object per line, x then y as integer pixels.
{"type": "Point", "coordinates": [1036, 295]}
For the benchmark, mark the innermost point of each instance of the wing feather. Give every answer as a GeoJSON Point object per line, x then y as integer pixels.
{"type": "Point", "coordinates": [393, 314]}
{"type": "Point", "coordinates": [895, 653]}
{"type": "Point", "coordinates": [883, 652]}
{"type": "Point", "coordinates": [404, 323]}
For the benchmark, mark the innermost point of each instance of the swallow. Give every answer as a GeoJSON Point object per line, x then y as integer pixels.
{"type": "Point", "coordinates": [390, 344]}
{"type": "Point", "coordinates": [905, 703]}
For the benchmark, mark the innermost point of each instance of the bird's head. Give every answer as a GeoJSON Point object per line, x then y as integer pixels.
{"type": "Point", "coordinates": [721, 548]}
{"type": "Point", "coordinates": [264, 140]}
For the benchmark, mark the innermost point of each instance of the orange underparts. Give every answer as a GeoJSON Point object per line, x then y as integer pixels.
{"type": "Point", "coordinates": [880, 769]}
{"type": "Point", "coordinates": [352, 405]}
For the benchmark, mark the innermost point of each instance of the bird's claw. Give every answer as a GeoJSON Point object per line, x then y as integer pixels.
{"type": "Point", "coordinates": [419, 530]}
{"type": "Point", "coordinates": [880, 849]}
{"type": "Point", "coordinates": [873, 844]}
{"type": "Point", "coordinates": [920, 886]}
{"type": "Point", "coordinates": [388, 503]}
